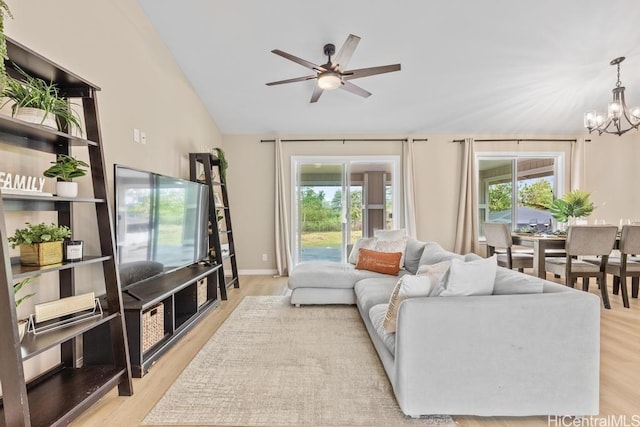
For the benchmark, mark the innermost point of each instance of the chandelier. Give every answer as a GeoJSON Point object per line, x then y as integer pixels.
{"type": "Point", "coordinates": [617, 111]}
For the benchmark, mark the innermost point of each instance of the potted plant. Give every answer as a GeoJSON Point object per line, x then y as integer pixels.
{"type": "Point", "coordinates": [65, 168]}
{"type": "Point", "coordinates": [223, 163]}
{"type": "Point", "coordinates": [36, 101]}
{"type": "Point", "coordinates": [22, 324]}
{"type": "Point", "coordinates": [40, 244]}
{"type": "Point", "coordinates": [573, 205]}
{"type": "Point", "coordinates": [4, 12]}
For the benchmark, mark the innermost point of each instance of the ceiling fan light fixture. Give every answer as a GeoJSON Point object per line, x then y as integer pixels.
{"type": "Point", "coordinates": [329, 80]}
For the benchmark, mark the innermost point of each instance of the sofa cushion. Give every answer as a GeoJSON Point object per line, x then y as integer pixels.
{"type": "Point", "coordinates": [410, 286]}
{"type": "Point", "coordinates": [370, 292]}
{"type": "Point", "coordinates": [377, 316]}
{"type": "Point", "coordinates": [362, 242]}
{"type": "Point", "coordinates": [510, 282]}
{"type": "Point", "coordinates": [471, 278]}
{"type": "Point", "coordinates": [380, 262]}
{"type": "Point", "coordinates": [433, 253]}
{"type": "Point", "coordinates": [412, 254]}
{"type": "Point", "coordinates": [329, 274]}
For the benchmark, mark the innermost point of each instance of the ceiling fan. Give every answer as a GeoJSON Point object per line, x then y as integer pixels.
{"type": "Point", "coordinates": [333, 74]}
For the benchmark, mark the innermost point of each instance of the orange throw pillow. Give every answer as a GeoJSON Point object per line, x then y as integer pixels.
{"type": "Point", "coordinates": [380, 262]}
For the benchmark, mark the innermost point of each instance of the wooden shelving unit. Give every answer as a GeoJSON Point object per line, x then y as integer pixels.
{"type": "Point", "coordinates": [178, 293]}
{"type": "Point", "coordinates": [59, 395]}
{"type": "Point", "coordinates": [205, 168]}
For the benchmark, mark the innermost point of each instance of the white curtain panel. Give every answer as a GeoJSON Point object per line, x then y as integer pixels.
{"type": "Point", "coordinates": [283, 244]}
{"type": "Point", "coordinates": [578, 164]}
{"type": "Point", "coordinates": [409, 193]}
{"type": "Point", "coordinates": [467, 224]}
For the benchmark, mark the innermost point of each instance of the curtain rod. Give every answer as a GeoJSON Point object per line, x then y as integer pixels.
{"type": "Point", "coordinates": [343, 140]}
{"type": "Point", "coordinates": [522, 140]}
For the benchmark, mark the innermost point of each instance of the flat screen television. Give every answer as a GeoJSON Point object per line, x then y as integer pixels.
{"type": "Point", "coordinates": [161, 223]}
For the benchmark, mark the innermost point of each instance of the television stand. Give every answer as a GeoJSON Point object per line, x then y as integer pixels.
{"type": "Point", "coordinates": [128, 292]}
{"type": "Point", "coordinates": [158, 312]}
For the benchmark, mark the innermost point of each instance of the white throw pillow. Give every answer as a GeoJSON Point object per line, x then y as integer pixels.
{"type": "Point", "coordinates": [407, 287]}
{"type": "Point", "coordinates": [438, 274]}
{"type": "Point", "coordinates": [397, 234]}
{"type": "Point", "coordinates": [392, 246]}
{"type": "Point", "coordinates": [471, 278]}
{"type": "Point", "coordinates": [364, 243]}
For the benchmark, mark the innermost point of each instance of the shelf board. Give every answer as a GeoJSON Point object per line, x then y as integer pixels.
{"type": "Point", "coordinates": [148, 292]}
{"type": "Point", "coordinates": [34, 202]}
{"type": "Point", "coordinates": [230, 280]}
{"type": "Point", "coordinates": [36, 137]}
{"type": "Point", "coordinates": [65, 394]}
{"type": "Point", "coordinates": [33, 345]}
{"type": "Point", "coordinates": [22, 271]}
{"type": "Point", "coordinates": [39, 66]}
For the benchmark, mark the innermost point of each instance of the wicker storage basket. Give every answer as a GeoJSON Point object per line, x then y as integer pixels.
{"type": "Point", "coordinates": [152, 326]}
{"type": "Point", "coordinates": [41, 253]}
{"type": "Point", "coordinates": [202, 291]}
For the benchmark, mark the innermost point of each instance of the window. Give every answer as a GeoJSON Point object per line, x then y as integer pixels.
{"type": "Point", "coordinates": [518, 189]}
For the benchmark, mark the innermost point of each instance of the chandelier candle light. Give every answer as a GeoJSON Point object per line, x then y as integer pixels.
{"type": "Point", "coordinates": [616, 112]}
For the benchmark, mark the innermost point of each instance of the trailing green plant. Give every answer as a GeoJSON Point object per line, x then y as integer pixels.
{"type": "Point", "coordinates": [66, 168]}
{"type": "Point", "coordinates": [223, 163]}
{"type": "Point", "coordinates": [36, 93]}
{"type": "Point", "coordinates": [4, 13]}
{"type": "Point", "coordinates": [39, 233]}
{"type": "Point", "coordinates": [21, 284]}
{"type": "Point", "coordinates": [574, 204]}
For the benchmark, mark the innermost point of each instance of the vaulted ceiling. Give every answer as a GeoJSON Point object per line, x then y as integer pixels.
{"type": "Point", "coordinates": [468, 66]}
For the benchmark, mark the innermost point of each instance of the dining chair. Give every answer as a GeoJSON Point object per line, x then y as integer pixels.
{"type": "Point", "coordinates": [624, 266]}
{"type": "Point", "coordinates": [585, 240]}
{"type": "Point", "coordinates": [499, 241]}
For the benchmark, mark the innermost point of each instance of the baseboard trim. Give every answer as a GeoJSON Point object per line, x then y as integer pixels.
{"type": "Point", "coordinates": [259, 272]}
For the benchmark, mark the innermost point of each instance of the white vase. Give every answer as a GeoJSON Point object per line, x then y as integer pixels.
{"type": "Point", "coordinates": [66, 189]}
{"type": "Point", "coordinates": [37, 116]}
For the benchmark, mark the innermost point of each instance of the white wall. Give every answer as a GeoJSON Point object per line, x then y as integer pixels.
{"type": "Point", "coordinates": [612, 169]}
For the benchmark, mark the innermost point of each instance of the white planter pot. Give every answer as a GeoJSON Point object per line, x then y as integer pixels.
{"type": "Point", "coordinates": [66, 189]}
{"type": "Point", "coordinates": [37, 116]}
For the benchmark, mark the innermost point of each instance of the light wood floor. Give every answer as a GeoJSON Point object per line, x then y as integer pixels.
{"type": "Point", "coordinates": [619, 383]}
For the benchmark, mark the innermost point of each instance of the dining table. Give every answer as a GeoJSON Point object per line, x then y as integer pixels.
{"type": "Point", "coordinates": [541, 243]}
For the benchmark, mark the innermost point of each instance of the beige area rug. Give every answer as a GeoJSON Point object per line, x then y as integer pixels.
{"type": "Point", "coordinates": [272, 364]}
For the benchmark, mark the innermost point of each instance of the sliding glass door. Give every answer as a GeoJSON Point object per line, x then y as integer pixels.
{"type": "Point", "coordinates": [337, 200]}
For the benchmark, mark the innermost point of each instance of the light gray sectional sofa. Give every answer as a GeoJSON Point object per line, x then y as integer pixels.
{"type": "Point", "coordinates": [531, 348]}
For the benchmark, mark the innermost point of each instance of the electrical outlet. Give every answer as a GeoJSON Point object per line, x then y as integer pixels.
{"type": "Point", "coordinates": [264, 257]}
{"type": "Point", "coordinates": [136, 135]}
{"type": "Point", "coordinates": [143, 137]}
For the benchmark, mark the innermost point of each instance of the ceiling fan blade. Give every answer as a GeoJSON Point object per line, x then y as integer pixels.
{"type": "Point", "coordinates": [371, 71]}
{"type": "Point", "coordinates": [350, 87]}
{"type": "Point", "coordinates": [346, 51]}
{"type": "Point", "coordinates": [300, 61]}
{"type": "Point", "coordinates": [297, 79]}
{"type": "Point", "coordinates": [317, 91]}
